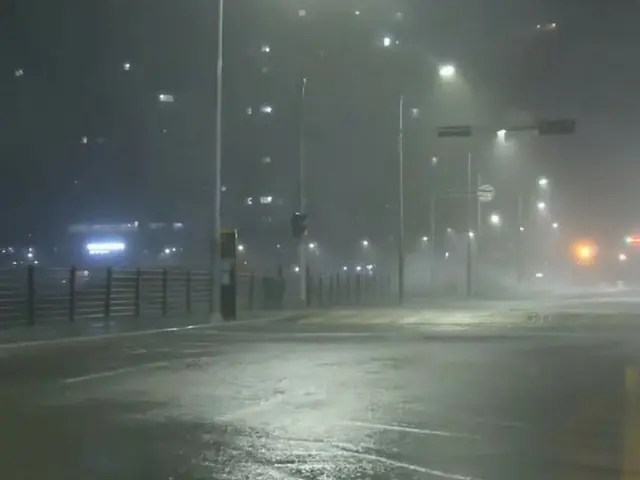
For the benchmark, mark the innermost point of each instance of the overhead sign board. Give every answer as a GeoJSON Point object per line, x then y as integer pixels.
{"type": "Point", "coordinates": [486, 193]}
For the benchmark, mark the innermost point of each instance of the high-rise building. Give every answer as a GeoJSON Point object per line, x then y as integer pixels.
{"type": "Point", "coordinates": [346, 54]}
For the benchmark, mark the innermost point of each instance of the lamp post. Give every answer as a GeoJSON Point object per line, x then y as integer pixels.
{"type": "Point", "coordinates": [217, 171]}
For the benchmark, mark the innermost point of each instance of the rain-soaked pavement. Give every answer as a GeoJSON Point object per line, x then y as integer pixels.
{"type": "Point", "coordinates": [355, 397]}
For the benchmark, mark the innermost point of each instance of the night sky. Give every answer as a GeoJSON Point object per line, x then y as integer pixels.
{"type": "Point", "coordinates": [62, 79]}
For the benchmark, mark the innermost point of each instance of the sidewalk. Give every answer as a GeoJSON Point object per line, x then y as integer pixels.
{"type": "Point", "coordinates": [60, 331]}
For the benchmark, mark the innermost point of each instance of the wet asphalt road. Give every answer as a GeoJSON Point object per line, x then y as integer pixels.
{"type": "Point", "coordinates": [342, 398]}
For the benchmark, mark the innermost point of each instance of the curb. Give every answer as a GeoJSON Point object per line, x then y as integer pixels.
{"type": "Point", "coordinates": [151, 331]}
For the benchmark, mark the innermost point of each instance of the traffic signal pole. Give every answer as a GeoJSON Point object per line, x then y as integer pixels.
{"type": "Point", "coordinates": [401, 202]}
{"type": "Point", "coordinates": [302, 250]}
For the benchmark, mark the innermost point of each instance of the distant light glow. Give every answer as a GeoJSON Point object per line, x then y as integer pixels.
{"type": "Point", "coordinates": [495, 219]}
{"type": "Point", "coordinates": [105, 248]}
{"type": "Point", "coordinates": [542, 206]}
{"type": "Point", "coordinates": [472, 235]}
{"type": "Point", "coordinates": [365, 243]}
{"type": "Point", "coordinates": [266, 109]}
{"type": "Point", "coordinates": [296, 268]}
{"type": "Point", "coordinates": [345, 268]}
{"type": "Point", "coordinates": [126, 66]}
{"type": "Point", "coordinates": [622, 257]}
{"type": "Point", "coordinates": [555, 225]}
{"type": "Point", "coordinates": [302, 12]}
{"type": "Point", "coordinates": [386, 41]}
{"type": "Point", "coordinates": [240, 247]}
{"type": "Point", "coordinates": [18, 72]}
{"type": "Point", "coordinates": [434, 161]}
{"type": "Point", "coordinates": [425, 239]}
{"type": "Point", "coordinates": [358, 268]}
{"type": "Point", "coordinates": [166, 98]}
{"type": "Point", "coordinates": [447, 71]}
{"type": "Point", "coordinates": [543, 182]}
{"type": "Point", "coordinates": [584, 252]}
{"type": "Point", "coordinates": [313, 245]}
{"type": "Point", "coordinates": [539, 275]}
{"type": "Point", "coordinates": [265, 49]}
{"type": "Point", "coordinates": [633, 240]}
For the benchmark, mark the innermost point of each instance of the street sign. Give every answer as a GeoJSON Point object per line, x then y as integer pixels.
{"type": "Point", "coordinates": [486, 193]}
{"type": "Point", "coordinates": [455, 131]}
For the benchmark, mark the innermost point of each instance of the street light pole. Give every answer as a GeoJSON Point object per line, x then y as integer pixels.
{"type": "Point", "coordinates": [470, 212]}
{"type": "Point", "coordinates": [432, 220]}
{"type": "Point", "coordinates": [217, 194]}
{"type": "Point", "coordinates": [401, 201]}
{"type": "Point", "coordinates": [302, 199]}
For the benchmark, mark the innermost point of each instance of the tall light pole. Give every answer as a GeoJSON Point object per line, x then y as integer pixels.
{"type": "Point", "coordinates": [470, 197]}
{"type": "Point", "coordinates": [401, 201]}
{"type": "Point", "coordinates": [217, 195]}
{"type": "Point", "coordinates": [302, 200]}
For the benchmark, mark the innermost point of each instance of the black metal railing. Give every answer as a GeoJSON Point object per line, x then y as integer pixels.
{"type": "Point", "coordinates": [35, 295]}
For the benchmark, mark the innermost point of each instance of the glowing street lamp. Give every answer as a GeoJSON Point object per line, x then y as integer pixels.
{"type": "Point", "coordinates": [622, 257]}
{"type": "Point", "coordinates": [365, 243]}
{"type": "Point", "coordinates": [447, 71]}
{"type": "Point", "coordinates": [542, 206]}
{"type": "Point", "coordinates": [495, 219]}
{"type": "Point", "coordinates": [543, 182]}
{"type": "Point", "coordinates": [555, 225]}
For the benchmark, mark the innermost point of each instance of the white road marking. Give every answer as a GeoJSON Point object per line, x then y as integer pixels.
{"type": "Point", "coordinates": [252, 409]}
{"type": "Point", "coordinates": [388, 461]}
{"type": "Point", "coordinates": [419, 431]}
{"type": "Point", "coordinates": [111, 373]}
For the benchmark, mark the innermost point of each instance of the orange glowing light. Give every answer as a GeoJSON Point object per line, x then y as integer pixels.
{"type": "Point", "coordinates": [584, 252]}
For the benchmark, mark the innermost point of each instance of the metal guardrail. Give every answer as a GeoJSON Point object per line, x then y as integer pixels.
{"type": "Point", "coordinates": [37, 295]}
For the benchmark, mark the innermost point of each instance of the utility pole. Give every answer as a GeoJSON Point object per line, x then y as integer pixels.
{"type": "Point", "coordinates": [216, 273]}
{"type": "Point", "coordinates": [302, 201]}
{"type": "Point", "coordinates": [401, 201]}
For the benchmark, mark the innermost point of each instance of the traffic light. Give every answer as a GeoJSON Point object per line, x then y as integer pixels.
{"type": "Point", "coordinates": [563, 126]}
{"type": "Point", "coordinates": [298, 225]}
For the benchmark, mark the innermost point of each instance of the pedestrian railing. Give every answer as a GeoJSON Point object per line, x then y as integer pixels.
{"type": "Point", "coordinates": [35, 295]}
